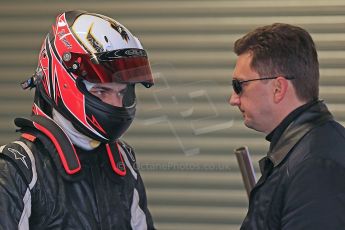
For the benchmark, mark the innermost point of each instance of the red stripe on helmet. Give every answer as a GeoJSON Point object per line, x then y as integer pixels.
{"type": "Point", "coordinates": [95, 123]}
{"type": "Point", "coordinates": [38, 111]}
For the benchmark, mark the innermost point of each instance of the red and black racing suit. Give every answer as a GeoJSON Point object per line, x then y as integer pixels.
{"type": "Point", "coordinates": [37, 193]}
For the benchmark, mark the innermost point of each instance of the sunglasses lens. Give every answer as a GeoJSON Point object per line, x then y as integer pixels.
{"type": "Point", "coordinates": [236, 85]}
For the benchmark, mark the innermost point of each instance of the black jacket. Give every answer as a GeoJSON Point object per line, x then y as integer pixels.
{"type": "Point", "coordinates": [37, 193]}
{"type": "Point", "coordinates": [302, 186]}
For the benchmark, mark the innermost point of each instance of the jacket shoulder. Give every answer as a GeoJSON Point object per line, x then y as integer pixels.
{"type": "Point", "coordinates": [326, 142]}
{"type": "Point", "coordinates": [20, 154]}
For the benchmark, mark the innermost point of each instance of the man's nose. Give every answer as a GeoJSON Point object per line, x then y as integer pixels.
{"type": "Point", "coordinates": [234, 99]}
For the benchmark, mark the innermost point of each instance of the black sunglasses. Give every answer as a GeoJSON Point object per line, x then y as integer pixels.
{"type": "Point", "coordinates": [237, 84]}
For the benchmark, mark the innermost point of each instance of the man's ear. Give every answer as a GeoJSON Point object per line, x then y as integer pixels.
{"type": "Point", "coordinates": [280, 87]}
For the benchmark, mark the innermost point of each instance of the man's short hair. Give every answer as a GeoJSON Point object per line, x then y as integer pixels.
{"type": "Point", "coordinates": [283, 49]}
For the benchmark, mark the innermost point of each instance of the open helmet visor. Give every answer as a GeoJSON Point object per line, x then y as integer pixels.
{"type": "Point", "coordinates": [123, 66]}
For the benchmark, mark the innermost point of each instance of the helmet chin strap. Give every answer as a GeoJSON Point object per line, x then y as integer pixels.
{"type": "Point", "coordinates": [76, 137]}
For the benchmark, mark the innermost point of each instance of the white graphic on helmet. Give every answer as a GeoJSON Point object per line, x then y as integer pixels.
{"type": "Point", "coordinates": [120, 30]}
{"type": "Point", "coordinates": [92, 40]}
{"type": "Point", "coordinates": [61, 23]}
{"type": "Point", "coordinates": [62, 36]}
{"type": "Point", "coordinates": [102, 34]}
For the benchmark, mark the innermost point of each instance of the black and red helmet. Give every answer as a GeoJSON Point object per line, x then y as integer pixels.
{"type": "Point", "coordinates": [90, 47]}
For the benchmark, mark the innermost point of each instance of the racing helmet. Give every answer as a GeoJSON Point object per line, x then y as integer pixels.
{"type": "Point", "coordinates": [84, 48]}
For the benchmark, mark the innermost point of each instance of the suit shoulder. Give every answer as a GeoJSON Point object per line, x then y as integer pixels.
{"type": "Point", "coordinates": [19, 154]}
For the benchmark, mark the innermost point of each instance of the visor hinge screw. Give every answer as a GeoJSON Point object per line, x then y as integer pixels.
{"type": "Point", "coordinates": [67, 56]}
{"type": "Point", "coordinates": [75, 66]}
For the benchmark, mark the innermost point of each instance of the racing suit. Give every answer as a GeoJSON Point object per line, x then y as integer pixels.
{"type": "Point", "coordinates": [105, 190]}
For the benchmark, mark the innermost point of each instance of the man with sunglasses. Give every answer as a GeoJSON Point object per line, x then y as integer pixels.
{"type": "Point", "coordinates": [276, 88]}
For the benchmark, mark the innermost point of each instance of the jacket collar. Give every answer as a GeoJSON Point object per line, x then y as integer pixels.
{"type": "Point", "coordinates": [275, 135]}
{"type": "Point", "coordinates": [315, 115]}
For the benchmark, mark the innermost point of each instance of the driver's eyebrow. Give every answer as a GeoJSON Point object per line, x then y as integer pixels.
{"type": "Point", "coordinates": [97, 87]}
{"type": "Point", "coordinates": [109, 88]}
